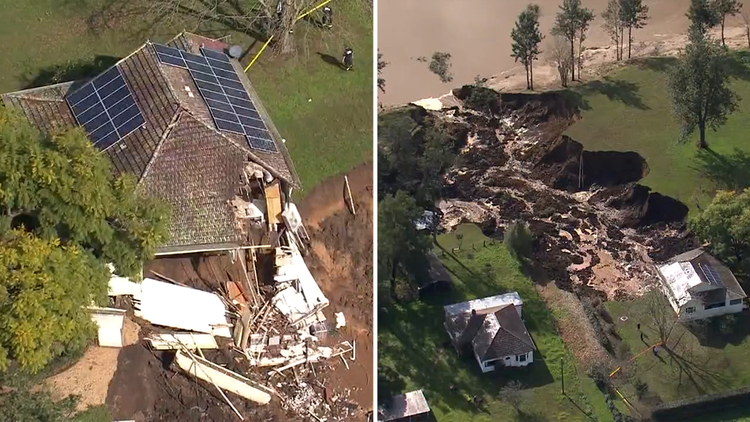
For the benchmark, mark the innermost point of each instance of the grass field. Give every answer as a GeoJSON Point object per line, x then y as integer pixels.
{"type": "Point", "coordinates": [412, 353]}
{"type": "Point", "coordinates": [630, 110]}
{"type": "Point", "coordinates": [325, 136]}
{"type": "Point", "coordinates": [714, 364]}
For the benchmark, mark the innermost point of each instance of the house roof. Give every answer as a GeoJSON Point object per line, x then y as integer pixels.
{"type": "Point", "coordinates": [483, 303]}
{"type": "Point", "coordinates": [697, 274]}
{"type": "Point", "coordinates": [406, 405]}
{"type": "Point", "coordinates": [493, 335]}
{"type": "Point", "coordinates": [178, 155]}
{"type": "Point", "coordinates": [503, 333]}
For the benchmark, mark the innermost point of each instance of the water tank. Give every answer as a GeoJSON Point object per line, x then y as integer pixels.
{"type": "Point", "coordinates": [235, 51]}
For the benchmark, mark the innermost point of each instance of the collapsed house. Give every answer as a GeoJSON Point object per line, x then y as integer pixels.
{"type": "Point", "coordinates": [184, 119]}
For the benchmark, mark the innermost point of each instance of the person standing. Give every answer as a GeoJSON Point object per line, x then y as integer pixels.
{"type": "Point", "coordinates": [327, 21]}
{"type": "Point", "coordinates": [348, 58]}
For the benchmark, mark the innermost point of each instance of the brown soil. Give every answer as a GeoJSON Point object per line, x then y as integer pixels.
{"type": "Point", "coordinates": [341, 262]}
{"type": "Point", "coordinates": [144, 388]}
{"type": "Point", "coordinates": [88, 378]}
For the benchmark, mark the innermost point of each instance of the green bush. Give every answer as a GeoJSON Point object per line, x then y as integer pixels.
{"type": "Point", "coordinates": [519, 241]}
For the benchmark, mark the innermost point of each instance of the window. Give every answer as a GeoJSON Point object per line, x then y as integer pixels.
{"type": "Point", "coordinates": [489, 364]}
{"type": "Point", "coordinates": [715, 305]}
{"type": "Point", "coordinates": [690, 309]}
{"type": "Point", "coordinates": [735, 301]}
{"type": "Point", "coordinates": [522, 358]}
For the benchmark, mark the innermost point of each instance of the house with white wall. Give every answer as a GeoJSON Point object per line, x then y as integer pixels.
{"type": "Point", "coordinates": [492, 330]}
{"type": "Point", "coordinates": [700, 286]}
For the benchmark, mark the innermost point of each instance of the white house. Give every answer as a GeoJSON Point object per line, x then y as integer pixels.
{"type": "Point", "coordinates": [493, 329]}
{"type": "Point", "coordinates": [699, 286]}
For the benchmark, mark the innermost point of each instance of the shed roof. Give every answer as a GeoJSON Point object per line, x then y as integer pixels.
{"type": "Point", "coordinates": [178, 155]}
{"type": "Point", "coordinates": [406, 405]}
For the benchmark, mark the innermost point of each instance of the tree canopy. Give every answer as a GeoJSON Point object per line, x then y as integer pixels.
{"type": "Point", "coordinates": [725, 223]}
{"type": "Point", "coordinates": [633, 14]}
{"type": "Point", "coordinates": [526, 37]}
{"type": "Point", "coordinates": [699, 87]}
{"type": "Point", "coordinates": [703, 15]}
{"type": "Point", "coordinates": [61, 187]}
{"type": "Point", "coordinates": [39, 406]}
{"type": "Point", "coordinates": [613, 25]}
{"type": "Point", "coordinates": [724, 8]}
{"type": "Point", "coordinates": [401, 247]}
{"type": "Point", "coordinates": [43, 290]}
{"type": "Point", "coordinates": [571, 22]}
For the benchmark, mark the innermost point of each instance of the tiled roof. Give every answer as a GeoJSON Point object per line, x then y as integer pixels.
{"type": "Point", "coordinates": [697, 259]}
{"type": "Point", "coordinates": [178, 155]}
{"type": "Point", "coordinates": [502, 334]}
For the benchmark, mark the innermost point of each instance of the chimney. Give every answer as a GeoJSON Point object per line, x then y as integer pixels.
{"type": "Point", "coordinates": [472, 327]}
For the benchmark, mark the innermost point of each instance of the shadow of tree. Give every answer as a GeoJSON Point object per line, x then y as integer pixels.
{"type": "Point", "coordinates": [731, 172]}
{"type": "Point", "coordinates": [73, 70]}
{"type": "Point", "coordinates": [713, 335]}
{"type": "Point", "coordinates": [739, 65]}
{"type": "Point", "coordinates": [657, 64]}
{"type": "Point", "coordinates": [616, 90]}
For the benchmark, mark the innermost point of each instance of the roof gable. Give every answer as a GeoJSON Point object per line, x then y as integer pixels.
{"type": "Point", "coordinates": [502, 334]}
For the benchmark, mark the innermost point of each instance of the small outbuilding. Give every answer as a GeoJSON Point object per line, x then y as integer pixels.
{"type": "Point", "coordinates": [409, 407]}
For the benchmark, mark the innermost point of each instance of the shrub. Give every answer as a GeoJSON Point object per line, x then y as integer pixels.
{"type": "Point", "coordinates": [441, 66]}
{"type": "Point", "coordinates": [518, 240]}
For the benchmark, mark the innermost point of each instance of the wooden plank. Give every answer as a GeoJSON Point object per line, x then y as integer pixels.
{"type": "Point", "coordinates": [273, 204]}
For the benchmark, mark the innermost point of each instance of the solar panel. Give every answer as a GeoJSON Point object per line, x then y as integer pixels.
{"type": "Point", "coordinates": [106, 109]}
{"type": "Point", "coordinates": [230, 106]}
{"type": "Point", "coordinates": [711, 274]}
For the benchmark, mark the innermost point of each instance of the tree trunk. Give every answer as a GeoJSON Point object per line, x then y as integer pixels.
{"type": "Point", "coordinates": [622, 42]}
{"type": "Point", "coordinates": [702, 141]}
{"type": "Point", "coordinates": [572, 59]}
{"type": "Point", "coordinates": [617, 44]}
{"type": "Point", "coordinates": [723, 17]}
{"type": "Point", "coordinates": [531, 75]}
{"type": "Point", "coordinates": [394, 268]}
{"type": "Point", "coordinates": [630, 40]}
{"type": "Point", "coordinates": [747, 34]}
{"type": "Point", "coordinates": [283, 34]}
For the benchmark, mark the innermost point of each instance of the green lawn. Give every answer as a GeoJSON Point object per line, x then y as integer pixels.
{"type": "Point", "coordinates": [630, 110]}
{"type": "Point", "coordinates": [325, 136]}
{"type": "Point", "coordinates": [710, 366]}
{"type": "Point", "coordinates": [412, 353]}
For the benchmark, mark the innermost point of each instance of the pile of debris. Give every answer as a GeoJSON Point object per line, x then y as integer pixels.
{"type": "Point", "coordinates": [594, 226]}
{"type": "Point", "coordinates": [270, 320]}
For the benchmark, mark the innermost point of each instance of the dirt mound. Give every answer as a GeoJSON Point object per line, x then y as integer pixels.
{"type": "Point", "coordinates": [144, 388]}
{"type": "Point", "coordinates": [535, 108]}
{"type": "Point", "coordinates": [341, 262]}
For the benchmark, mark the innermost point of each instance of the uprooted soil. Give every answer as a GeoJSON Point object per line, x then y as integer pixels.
{"type": "Point", "coordinates": [341, 262]}
{"type": "Point", "coordinates": [145, 387]}
{"type": "Point", "coordinates": [596, 230]}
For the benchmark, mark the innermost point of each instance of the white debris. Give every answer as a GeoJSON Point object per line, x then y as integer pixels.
{"type": "Point", "coordinates": [340, 320]}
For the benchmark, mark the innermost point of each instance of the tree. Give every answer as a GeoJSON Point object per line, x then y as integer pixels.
{"type": "Point", "coordinates": [441, 66]}
{"type": "Point", "coordinates": [584, 20]}
{"type": "Point", "coordinates": [746, 21]}
{"type": "Point", "coordinates": [518, 240]}
{"type": "Point", "coordinates": [703, 15]}
{"type": "Point", "coordinates": [613, 25]}
{"type": "Point", "coordinates": [44, 289]}
{"type": "Point", "coordinates": [633, 14]}
{"type": "Point", "coordinates": [569, 22]}
{"type": "Point", "coordinates": [725, 224]}
{"type": "Point", "coordinates": [61, 187]}
{"type": "Point", "coordinates": [526, 37]}
{"type": "Point", "coordinates": [699, 87]}
{"type": "Point", "coordinates": [381, 65]}
{"type": "Point", "coordinates": [400, 244]}
{"type": "Point", "coordinates": [559, 55]}
{"type": "Point", "coordinates": [511, 393]}
{"type": "Point", "coordinates": [660, 314]}
{"type": "Point", "coordinates": [724, 8]}
{"type": "Point", "coordinates": [258, 18]}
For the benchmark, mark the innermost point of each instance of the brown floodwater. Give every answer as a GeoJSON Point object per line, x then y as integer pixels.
{"type": "Point", "coordinates": [477, 35]}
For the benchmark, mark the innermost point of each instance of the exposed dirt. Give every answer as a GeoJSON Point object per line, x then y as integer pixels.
{"type": "Point", "coordinates": [145, 388]}
{"type": "Point", "coordinates": [593, 225]}
{"type": "Point", "coordinates": [341, 262]}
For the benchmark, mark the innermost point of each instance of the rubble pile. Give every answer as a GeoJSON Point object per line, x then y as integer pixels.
{"type": "Point", "coordinates": [594, 226]}
{"type": "Point", "coordinates": [262, 338]}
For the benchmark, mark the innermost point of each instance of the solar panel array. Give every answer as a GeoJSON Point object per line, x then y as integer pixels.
{"type": "Point", "coordinates": [228, 102]}
{"type": "Point", "coordinates": [711, 274]}
{"type": "Point", "coordinates": [105, 107]}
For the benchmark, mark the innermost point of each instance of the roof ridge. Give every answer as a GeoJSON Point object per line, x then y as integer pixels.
{"type": "Point", "coordinates": [167, 131]}
{"type": "Point", "coordinates": [19, 94]}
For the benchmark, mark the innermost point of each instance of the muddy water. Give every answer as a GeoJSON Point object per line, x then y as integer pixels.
{"type": "Point", "coordinates": [477, 35]}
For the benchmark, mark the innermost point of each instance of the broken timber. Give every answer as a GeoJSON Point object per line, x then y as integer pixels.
{"type": "Point", "coordinates": [223, 378]}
